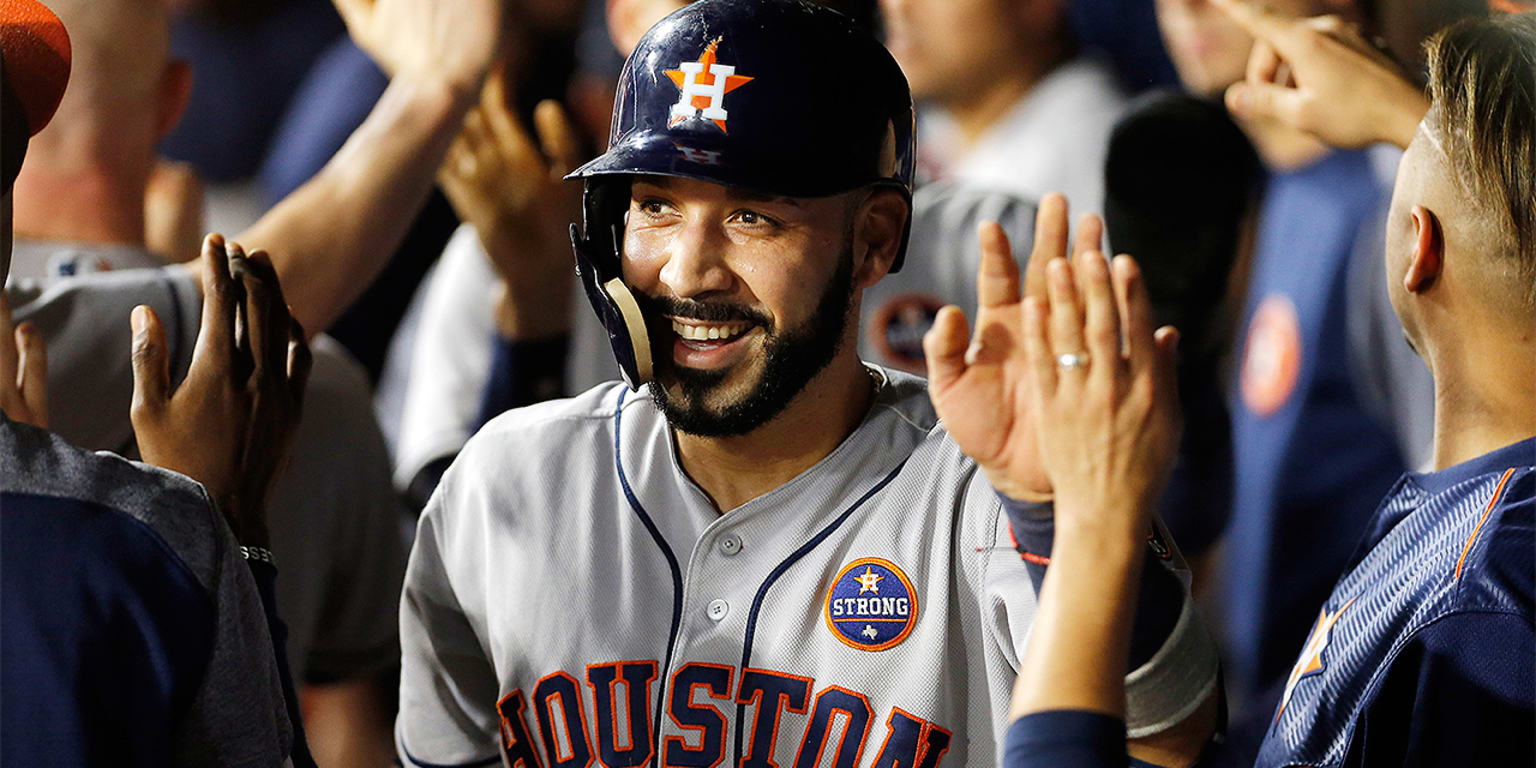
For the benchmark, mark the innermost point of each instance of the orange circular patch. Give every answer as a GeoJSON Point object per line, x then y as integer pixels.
{"type": "Point", "coordinates": [1271, 355]}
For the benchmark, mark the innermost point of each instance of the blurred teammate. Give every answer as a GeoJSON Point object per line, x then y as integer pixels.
{"type": "Point", "coordinates": [1424, 653]}
{"type": "Point", "coordinates": [1016, 106]}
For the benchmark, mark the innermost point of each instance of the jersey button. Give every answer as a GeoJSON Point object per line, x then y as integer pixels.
{"type": "Point", "coordinates": [717, 609]}
{"type": "Point", "coordinates": [730, 544]}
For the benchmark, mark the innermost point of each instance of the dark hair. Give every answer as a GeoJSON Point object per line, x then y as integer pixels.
{"type": "Point", "coordinates": [1482, 81]}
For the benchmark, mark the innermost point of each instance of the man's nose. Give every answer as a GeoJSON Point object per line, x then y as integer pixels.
{"type": "Point", "coordinates": [695, 265]}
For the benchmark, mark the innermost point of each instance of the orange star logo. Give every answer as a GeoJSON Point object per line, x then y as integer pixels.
{"type": "Point", "coordinates": [703, 85]}
{"type": "Point", "coordinates": [1312, 653]}
{"type": "Point", "coordinates": [869, 581]}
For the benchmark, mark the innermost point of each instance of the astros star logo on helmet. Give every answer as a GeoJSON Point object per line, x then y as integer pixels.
{"type": "Point", "coordinates": [703, 85]}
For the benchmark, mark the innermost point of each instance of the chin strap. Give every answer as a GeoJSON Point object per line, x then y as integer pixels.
{"type": "Point", "coordinates": [615, 306]}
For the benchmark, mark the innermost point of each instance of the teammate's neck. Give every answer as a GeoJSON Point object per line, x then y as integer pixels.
{"type": "Point", "coordinates": [101, 209]}
{"type": "Point", "coordinates": [976, 111]}
{"type": "Point", "coordinates": [1485, 393]}
{"type": "Point", "coordinates": [735, 470]}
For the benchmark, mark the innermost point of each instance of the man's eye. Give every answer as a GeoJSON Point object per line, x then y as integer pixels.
{"type": "Point", "coordinates": [753, 218]}
{"type": "Point", "coordinates": [651, 207]}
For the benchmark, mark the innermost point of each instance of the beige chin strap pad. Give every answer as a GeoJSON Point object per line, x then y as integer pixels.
{"type": "Point", "coordinates": [634, 322]}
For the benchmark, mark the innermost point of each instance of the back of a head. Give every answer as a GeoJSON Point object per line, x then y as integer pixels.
{"type": "Point", "coordinates": [1482, 84]}
{"type": "Point", "coordinates": [120, 52]}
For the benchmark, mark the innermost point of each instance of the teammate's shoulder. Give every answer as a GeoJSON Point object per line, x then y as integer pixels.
{"type": "Point", "coordinates": [41, 467]}
{"type": "Point", "coordinates": [1497, 567]}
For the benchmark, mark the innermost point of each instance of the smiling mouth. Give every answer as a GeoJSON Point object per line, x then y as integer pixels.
{"type": "Point", "coordinates": [698, 335]}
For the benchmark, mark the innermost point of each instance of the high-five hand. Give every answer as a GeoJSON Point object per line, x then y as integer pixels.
{"type": "Point", "coordinates": [1102, 394]}
{"type": "Point", "coordinates": [976, 380]}
{"type": "Point", "coordinates": [449, 41]}
{"type": "Point", "coordinates": [229, 423]}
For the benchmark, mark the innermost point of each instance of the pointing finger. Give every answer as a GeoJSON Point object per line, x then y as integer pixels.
{"type": "Point", "coordinates": [216, 338]}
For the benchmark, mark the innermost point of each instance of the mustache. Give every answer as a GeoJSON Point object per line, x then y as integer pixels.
{"type": "Point", "coordinates": [703, 311]}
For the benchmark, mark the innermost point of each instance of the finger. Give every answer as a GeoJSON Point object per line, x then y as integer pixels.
{"type": "Point", "coordinates": [1066, 324]}
{"type": "Point", "coordinates": [33, 377]}
{"type": "Point", "coordinates": [1263, 62]}
{"type": "Point", "coordinates": [242, 360]}
{"type": "Point", "coordinates": [216, 337]}
{"type": "Point", "coordinates": [944, 347]}
{"type": "Point", "coordinates": [151, 363]}
{"type": "Point", "coordinates": [557, 135]}
{"type": "Point", "coordinates": [1136, 307]}
{"type": "Point", "coordinates": [1165, 371]}
{"type": "Point", "coordinates": [1101, 317]}
{"type": "Point", "coordinates": [266, 315]}
{"type": "Point", "coordinates": [1260, 22]}
{"type": "Point", "coordinates": [1050, 242]}
{"type": "Point", "coordinates": [1090, 234]}
{"type": "Point", "coordinates": [299, 363]}
{"type": "Point", "coordinates": [1262, 101]}
{"type": "Point", "coordinates": [1037, 347]}
{"type": "Point", "coordinates": [997, 275]}
{"type": "Point", "coordinates": [504, 126]}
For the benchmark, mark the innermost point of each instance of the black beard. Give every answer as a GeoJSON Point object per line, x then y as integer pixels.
{"type": "Point", "coordinates": [792, 357]}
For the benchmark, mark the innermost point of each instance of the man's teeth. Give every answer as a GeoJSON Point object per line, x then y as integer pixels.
{"type": "Point", "coordinates": [706, 332]}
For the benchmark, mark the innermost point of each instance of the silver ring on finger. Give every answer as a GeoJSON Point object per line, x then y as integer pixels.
{"type": "Point", "coordinates": [1072, 360]}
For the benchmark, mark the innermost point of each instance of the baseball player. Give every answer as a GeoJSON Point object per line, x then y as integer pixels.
{"type": "Point", "coordinates": [760, 550]}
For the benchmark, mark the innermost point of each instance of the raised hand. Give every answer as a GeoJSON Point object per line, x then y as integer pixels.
{"type": "Point", "coordinates": [1102, 394]}
{"type": "Point", "coordinates": [23, 371]}
{"type": "Point", "coordinates": [1321, 76]}
{"type": "Point", "coordinates": [229, 423]}
{"type": "Point", "coordinates": [977, 380]}
{"type": "Point", "coordinates": [448, 41]}
{"type": "Point", "coordinates": [508, 184]}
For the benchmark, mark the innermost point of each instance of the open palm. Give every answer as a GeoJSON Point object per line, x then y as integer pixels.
{"type": "Point", "coordinates": [977, 381]}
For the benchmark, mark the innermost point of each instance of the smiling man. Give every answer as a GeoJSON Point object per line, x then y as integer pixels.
{"type": "Point", "coordinates": [762, 550]}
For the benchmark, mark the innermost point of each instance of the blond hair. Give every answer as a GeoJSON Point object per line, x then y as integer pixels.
{"type": "Point", "coordinates": [1482, 82]}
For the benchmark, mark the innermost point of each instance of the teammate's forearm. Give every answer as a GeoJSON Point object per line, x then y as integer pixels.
{"type": "Point", "coordinates": [1076, 654]}
{"type": "Point", "coordinates": [331, 237]}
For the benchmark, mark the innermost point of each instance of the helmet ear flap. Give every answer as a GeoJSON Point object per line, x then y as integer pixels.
{"type": "Point", "coordinates": [605, 203]}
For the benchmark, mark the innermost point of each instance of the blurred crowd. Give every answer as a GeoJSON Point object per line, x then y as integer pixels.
{"type": "Point", "coordinates": [396, 271]}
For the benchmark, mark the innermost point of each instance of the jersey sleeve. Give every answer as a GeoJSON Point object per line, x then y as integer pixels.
{"type": "Point", "coordinates": [338, 487]}
{"type": "Point", "coordinates": [1461, 691]}
{"type": "Point", "coordinates": [448, 685]}
{"type": "Point", "coordinates": [84, 321]}
{"type": "Point", "coordinates": [239, 716]}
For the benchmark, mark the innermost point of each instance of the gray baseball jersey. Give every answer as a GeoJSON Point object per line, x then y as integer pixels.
{"type": "Point", "coordinates": [574, 598]}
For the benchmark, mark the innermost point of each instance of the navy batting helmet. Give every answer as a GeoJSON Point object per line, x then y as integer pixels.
{"type": "Point", "coordinates": [782, 97]}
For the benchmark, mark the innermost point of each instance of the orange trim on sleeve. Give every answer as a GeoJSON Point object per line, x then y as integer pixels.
{"type": "Point", "coordinates": [1497, 492]}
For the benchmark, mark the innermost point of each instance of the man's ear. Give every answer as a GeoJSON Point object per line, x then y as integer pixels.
{"type": "Point", "coordinates": [882, 218]}
{"type": "Point", "coordinates": [175, 91]}
{"type": "Point", "coordinates": [1428, 257]}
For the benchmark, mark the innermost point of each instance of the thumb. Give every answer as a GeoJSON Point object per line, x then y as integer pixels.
{"type": "Point", "coordinates": [1264, 101]}
{"type": "Point", "coordinates": [1166, 363]}
{"type": "Point", "coordinates": [151, 366]}
{"type": "Point", "coordinates": [944, 348]}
